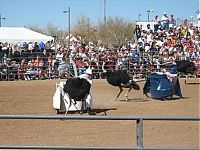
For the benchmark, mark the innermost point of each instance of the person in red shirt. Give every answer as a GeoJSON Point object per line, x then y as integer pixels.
{"type": "Point", "coordinates": [80, 64]}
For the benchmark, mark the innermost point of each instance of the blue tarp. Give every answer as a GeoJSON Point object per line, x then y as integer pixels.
{"type": "Point", "coordinates": [159, 86]}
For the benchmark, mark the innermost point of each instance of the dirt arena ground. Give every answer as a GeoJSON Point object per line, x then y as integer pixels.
{"type": "Point", "coordinates": [35, 97]}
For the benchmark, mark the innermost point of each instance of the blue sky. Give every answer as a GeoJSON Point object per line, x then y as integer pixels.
{"type": "Point", "coordinates": [20, 13]}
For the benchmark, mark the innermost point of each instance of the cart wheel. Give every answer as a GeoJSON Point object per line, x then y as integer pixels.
{"type": "Point", "coordinates": [148, 95]}
{"type": "Point", "coordinates": [163, 99]}
{"type": "Point", "coordinates": [57, 111]}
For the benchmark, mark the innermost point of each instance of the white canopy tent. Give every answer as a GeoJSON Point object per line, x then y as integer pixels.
{"type": "Point", "coordinates": [21, 34]}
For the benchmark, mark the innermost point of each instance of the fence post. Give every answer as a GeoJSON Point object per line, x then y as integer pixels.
{"type": "Point", "coordinates": [139, 132]}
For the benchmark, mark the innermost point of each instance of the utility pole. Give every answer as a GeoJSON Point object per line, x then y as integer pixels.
{"type": "Point", "coordinates": [104, 11]}
{"type": "Point", "coordinates": [197, 12]}
{"type": "Point", "coordinates": [68, 11]}
{"type": "Point", "coordinates": [192, 19]}
{"type": "Point", "coordinates": [148, 12]}
{"type": "Point", "coordinates": [1, 18]}
{"type": "Point", "coordinates": [177, 21]}
{"type": "Point", "coordinates": [139, 15]}
{"type": "Point", "coordinates": [88, 30]}
{"type": "Point", "coordinates": [71, 60]}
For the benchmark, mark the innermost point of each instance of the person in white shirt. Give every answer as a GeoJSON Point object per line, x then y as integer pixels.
{"type": "Point", "coordinates": [171, 75]}
{"type": "Point", "coordinates": [87, 75]}
{"type": "Point", "coordinates": [59, 56]}
{"type": "Point", "coordinates": [165, 21]}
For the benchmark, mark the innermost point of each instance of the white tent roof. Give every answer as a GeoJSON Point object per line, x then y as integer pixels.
{"type": "Point", "coordinates": [21, 34]}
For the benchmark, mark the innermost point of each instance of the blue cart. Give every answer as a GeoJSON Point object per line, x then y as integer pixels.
{"type": "Point", "coordinates": [158, 86]}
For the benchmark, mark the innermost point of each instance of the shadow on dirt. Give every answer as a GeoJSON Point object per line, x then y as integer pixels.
{"type": "Point", "coordinates": [93, 112]}
{"type": "Point", "coordinates": [176, 98]}
{"type": "Point", "coordinates": [101, 112]}
{"type": "Point", "coordinates": [135, 100]}
{"type": "Point", "coordinates": [172, 99]}
{"type": "Point", "coordinates": [192, 83]}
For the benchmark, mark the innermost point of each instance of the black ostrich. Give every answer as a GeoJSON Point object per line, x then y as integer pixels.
{"type": "Point", "coordinates": [121, 79]}
{"type": "Point", "coordinates": [185, 66]}
{"type": "Point", "coordinates": [77, 89]}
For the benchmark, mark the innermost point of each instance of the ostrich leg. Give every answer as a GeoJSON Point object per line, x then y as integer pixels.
{"type": "Point", "coordinates": [126, 95]}
{"type": "Point", "coordinates": [121, 89]}
{"type": "Point", "coordinates": [67, 102]}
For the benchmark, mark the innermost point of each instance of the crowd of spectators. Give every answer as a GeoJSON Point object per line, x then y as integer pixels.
{"type": "Point", "coordinates": [165, 42]}
{"type": "Point", "coordinates": [168, 41]}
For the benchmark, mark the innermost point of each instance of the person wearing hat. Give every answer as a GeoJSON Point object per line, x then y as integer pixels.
{"type": "Point", "coordinates": [88, 76]}
{"type": "Point", "coordinates": [171, 75]}
{"type": "Point", "coordinates": [165, 21]}
{"type": "Point", "coordinates": [173, 85]}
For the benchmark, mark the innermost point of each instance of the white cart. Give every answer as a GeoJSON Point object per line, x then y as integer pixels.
{"type": "Point", "coordinates": [62, 103]}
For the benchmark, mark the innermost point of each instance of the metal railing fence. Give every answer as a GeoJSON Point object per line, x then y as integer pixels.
{"type": "Point", "coordinates": [139, 129]}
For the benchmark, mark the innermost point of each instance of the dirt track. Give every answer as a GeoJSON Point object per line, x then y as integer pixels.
{"type": "Point", "coordinates": [35, 97]}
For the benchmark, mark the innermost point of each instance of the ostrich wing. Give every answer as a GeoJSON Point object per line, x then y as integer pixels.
{"type": "Point", "coordinates": [77, 88]}
{"type": "Point", "coordinates": [118, 77]}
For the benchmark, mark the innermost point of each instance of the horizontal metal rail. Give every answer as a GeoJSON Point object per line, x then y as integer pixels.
{"type": "Point", "coordinates": [139, 129]}
{"type": "Point", "coordinates": [88, 148]}
{"type": "Point", "coordinates": [53, 117]}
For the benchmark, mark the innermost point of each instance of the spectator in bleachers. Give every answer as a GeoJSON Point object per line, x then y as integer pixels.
{"type": "Point", "coordinates": [41, 46]}
{"type": "Point", "coordinates": [22, 69]}
{"type": "Point", "coordinates": [172, 21]}
{"type": "Point", "coordinates": [63, 68]}
{"type": "Point", "coordinates": [30, 46]}
{"type": "Point", "coordinates": [167, 43]}
{"type": "Point", "coordinates": [37, 60]}
{"type": "Point", "coordinates": [48, 46]}
{"type": "Point", "coordinates": [50, 65]}
{"type": "Point", "coordinates": [81, 65]}
{"type": "Point", "coordinates": [36, 47]}
{"type": "Point", "coordinates": [156, 23]}
{"type": "Point", "coordinates": [41, 70]}
{"type": "Point", "coordinates": [165, 21]}
{"type": "Point", "coordinates": [148, 30]}
{"type": "Point", "coordinates": [185, 24]}
{"type": "Point", "coordinates": [137, 32]}
{"type": "Point", "coordinates": [59, 56]}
